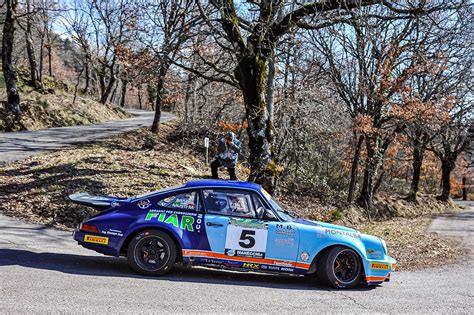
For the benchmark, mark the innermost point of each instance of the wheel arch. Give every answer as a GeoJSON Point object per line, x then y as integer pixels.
{"type": "Point", "coordinates": [327, 248]}
{"type": "Point", "coordinates": [175, 238]}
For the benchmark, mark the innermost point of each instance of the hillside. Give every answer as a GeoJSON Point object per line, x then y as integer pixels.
{"type": "Point", "coordinates": [57, 110]}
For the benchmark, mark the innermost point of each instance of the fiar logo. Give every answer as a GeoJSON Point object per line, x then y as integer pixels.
{"type": "Point", "coordinates": [172, 219]}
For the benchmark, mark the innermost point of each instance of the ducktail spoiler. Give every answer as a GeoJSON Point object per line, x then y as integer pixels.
{"type": "Point", "coordinates": [100, 203]}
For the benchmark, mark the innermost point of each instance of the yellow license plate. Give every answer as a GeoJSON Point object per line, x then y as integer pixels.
{"type": "Point", "coordinates": [379, 266]}
{"type": "Point", "coordinates": [96, 239]}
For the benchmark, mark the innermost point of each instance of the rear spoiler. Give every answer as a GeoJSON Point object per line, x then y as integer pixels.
{"type": "Point", "coordinates": [97, 202]}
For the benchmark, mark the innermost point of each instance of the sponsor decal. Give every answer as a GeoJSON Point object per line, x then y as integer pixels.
{"type": "Point", "coordinates": [212, 261]}
{"type": "Point", "coordinates": [288, 242]}
{"type": "Point", "coordinates": [250, 265]}
{"type": "Point", "coordinates": [96, 239]}
{"type": "Point", "coordinates": [271, 264]}
{"type": "Point", "coordinates": [183, 222]}
{"type": "Point", "coordinates": [112, 232]}
{"type": "Point", "coordinates": [374, 253]}
{"type": "Point", "coordinates": [285, 230]}
{"type": "Point", "coordinates": [286, 269]}
{"type": "Point", "coordinates": [394, 266]}
{"type": "Point", "coordinates": [304, 256]}
{"type": "Point", "coordinates": [264, 267]}
{"type": "Point", "coordinates": [244, 253]}
{"type": "Point", "coordinates": [144, 204]}
{"type": "Point", "coordinates": [231, 263]}
{"type": "Point", "coordinates": [247, 223]}
{"type": "Point", "coordinates": [114, 204]}
{"type": "Point", "coordinates": [337, 233]}
{"type": "Point", "coordinates": [380, 266]}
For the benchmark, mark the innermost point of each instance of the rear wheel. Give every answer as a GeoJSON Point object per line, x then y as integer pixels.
{"type": "Point", "coordinates": [340, 267]}
{"type": "Point", "coordinates": [152, 253]}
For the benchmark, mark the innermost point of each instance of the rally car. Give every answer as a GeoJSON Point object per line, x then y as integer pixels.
{"type": "Point", "coordinates": [228, 224]}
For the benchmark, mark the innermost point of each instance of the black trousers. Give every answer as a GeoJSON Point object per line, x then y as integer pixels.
{"type": "Point", "coordinates": [215, 166]}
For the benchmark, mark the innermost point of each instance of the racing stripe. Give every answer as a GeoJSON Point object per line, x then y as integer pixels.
{"type": "Point", "coordinates": [269, 261]}
{"type": "Point", "coordinates": [375, 278]}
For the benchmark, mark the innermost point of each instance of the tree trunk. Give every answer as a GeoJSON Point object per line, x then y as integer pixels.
{"type": "Point", "coordinates": [155, 126]}
{"type": "Point", "coordinates": [13, 98]}
{"type": "Point", "coordinates": [250, 73]}
{"type": "Point", "coordinates": [50, 66]}
{"type": "Point", "coordinates": [366, 193]}
{"type": "Point", "coordinates": [41, 62]}
{"type": "Point", "coordinates": [30, 48]}
{"type": "Point", "coordinates": [447, 166]}
{"type": "Point", "coordinates": [418, 153]}
{"type": "Point", "coordinates": [88, 75]}
{"type": "Point", "coordinates": [124, 93]}
{"type": "Point", "coordinates": [187, 99]}
{"type": "Point", "coordinates": [108, 91]}
{"type": "Point", "coordinates": [464, 188]}
{"type": "Point", "coordinates": [270, 91]}
{"type": "Point", "coordinates": [101, 75]}
{"type": "Point", "coordinates": [354, 169]}
{"type": "Point", "coordinates": [140, 105]}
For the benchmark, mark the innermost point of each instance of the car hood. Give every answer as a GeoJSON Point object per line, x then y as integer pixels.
{"type": "Point", "coordinates": [324, 225]}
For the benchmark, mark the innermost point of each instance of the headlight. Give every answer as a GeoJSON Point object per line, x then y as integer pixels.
{"type": "Point", "coordinates": [384, 246]}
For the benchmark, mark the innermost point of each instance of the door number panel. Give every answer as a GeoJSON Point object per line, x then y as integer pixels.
{"type": "Point", "coordinates": [246, 238]}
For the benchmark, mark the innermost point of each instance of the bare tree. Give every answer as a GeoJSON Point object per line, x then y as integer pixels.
{"type": "Point", "coordinates": [166, 25]}
{"type": "Point", "coordinates": [250, 31]}
{"type": "Point", "coordinates": [13, 98]}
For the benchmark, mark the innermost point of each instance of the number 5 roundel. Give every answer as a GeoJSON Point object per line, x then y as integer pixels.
{"type": "Point", "coordinates": [246, 238]}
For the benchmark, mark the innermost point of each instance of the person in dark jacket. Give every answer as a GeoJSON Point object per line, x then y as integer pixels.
{"type": "Point", "coordinates": [228, 150]}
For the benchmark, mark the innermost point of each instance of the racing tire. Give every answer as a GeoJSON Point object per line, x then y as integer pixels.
{"type": "Point", "coordinates": [340, 267]}
{"type": "Point", "coordinates": [152, 253]}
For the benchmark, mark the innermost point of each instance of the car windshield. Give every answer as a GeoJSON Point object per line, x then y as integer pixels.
{"type": "Point", "coordinates": [284, 214]}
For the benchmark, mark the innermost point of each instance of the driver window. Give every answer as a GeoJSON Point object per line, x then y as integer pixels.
{"type": "Point", "coordinates": [229, 202]}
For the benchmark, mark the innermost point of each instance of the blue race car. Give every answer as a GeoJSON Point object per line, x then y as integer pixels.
{"type": "Point", "coordinates": [228, 224]}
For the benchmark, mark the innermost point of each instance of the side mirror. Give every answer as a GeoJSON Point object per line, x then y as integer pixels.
{"type": "Point", "coordinates": [268, 215]}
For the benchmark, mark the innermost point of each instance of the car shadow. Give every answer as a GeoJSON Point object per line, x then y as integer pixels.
{"type": "Point", "coordinates": [118, 267]}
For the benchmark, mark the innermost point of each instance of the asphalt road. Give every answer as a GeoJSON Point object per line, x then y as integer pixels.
{"type": "Point", "coordinates": [43, 270]}
{"type": "Point", "coordinates": [19, 145]}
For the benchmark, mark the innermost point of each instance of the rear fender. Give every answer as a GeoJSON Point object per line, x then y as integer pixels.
{"type": "Point", "coordinates": [142, 227]}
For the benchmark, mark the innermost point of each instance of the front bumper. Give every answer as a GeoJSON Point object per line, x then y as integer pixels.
{"type": "Point", "coordinates": [378, 271]}
{"type": "Point", "coordinates": [100, 243]}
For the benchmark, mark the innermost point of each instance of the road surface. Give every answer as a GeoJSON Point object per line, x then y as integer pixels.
{"type": "Point", "coordinates": [43, 270]}
{"type": "Point", "coordinates": [19, 145]}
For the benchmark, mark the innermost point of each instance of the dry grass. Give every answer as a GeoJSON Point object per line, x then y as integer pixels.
{"type": "Point", "coordinates": [36, 189]}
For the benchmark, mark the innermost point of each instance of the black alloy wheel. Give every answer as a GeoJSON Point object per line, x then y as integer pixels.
{"type": "Point", "coordinates": [340, 267]}
{"type": "Point", "coordinates": [152, 253]}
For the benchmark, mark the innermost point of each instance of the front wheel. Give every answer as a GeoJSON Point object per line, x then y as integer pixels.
{"type": "Point", "coordinates": [340, 267]}
{"type": "Point", "coordinates": [152, 253]}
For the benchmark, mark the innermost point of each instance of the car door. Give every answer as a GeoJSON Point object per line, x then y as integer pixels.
{"type": "Point", "coordinates": [235, 233]}
{"type": "Point", "coordinates": [180, 212]}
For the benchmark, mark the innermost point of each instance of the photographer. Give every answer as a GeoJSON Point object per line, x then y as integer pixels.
{"type": "Point", "coordinates": [228, 150]}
